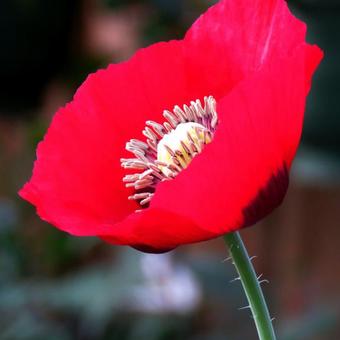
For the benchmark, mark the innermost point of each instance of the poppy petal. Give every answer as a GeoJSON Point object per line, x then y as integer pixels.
{"type": "Point", "coordinates": [243, 174]}
{"type": "Point", "coordinates": [77, 178]}
{"type": "Point", "coordinates": [236, 38]}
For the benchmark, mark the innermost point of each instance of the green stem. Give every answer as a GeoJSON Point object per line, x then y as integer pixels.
{"type": "Point", "coordinates": [251, 286]}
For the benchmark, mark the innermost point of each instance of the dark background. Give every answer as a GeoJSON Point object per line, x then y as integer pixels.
{"type": "Point", "coordinates": [54, 286]}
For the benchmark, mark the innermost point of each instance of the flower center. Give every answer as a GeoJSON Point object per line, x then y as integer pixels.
{"type": "Point", "coordinates": [180, 146]}
{"type": "Point", "coordinates": [169, 147]}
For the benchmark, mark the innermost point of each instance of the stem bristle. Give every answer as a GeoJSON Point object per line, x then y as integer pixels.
{"type": "Point", "coordinates": [251, 285]}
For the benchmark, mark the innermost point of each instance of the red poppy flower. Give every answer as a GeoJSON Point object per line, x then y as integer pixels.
{"type": "Point", "coordinates": [235, 85]}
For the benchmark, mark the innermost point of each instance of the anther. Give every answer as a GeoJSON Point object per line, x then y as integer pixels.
{"type": "Point", "coordinates": [169, 147]}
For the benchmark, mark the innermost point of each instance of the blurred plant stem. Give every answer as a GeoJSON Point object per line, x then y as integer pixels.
{"type": "Point", "coordinates": [251, 286]}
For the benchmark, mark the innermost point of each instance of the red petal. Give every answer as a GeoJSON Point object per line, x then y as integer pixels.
{"type": "Point", "coordinates": [260, 128]}
{"type": "Point", "coordinates": [243, 174]}
{"type": "Point", "coordinates": [237, 37]}
{"type": "Point", "coordinates": [77, 178]}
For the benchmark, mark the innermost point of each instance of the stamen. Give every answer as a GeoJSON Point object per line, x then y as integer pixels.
{"type": "Point", "coordinates": [169, 147]}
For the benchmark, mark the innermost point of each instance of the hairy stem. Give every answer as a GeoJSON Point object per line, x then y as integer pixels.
{"type": "Point", "coordinates": [251, 286]}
